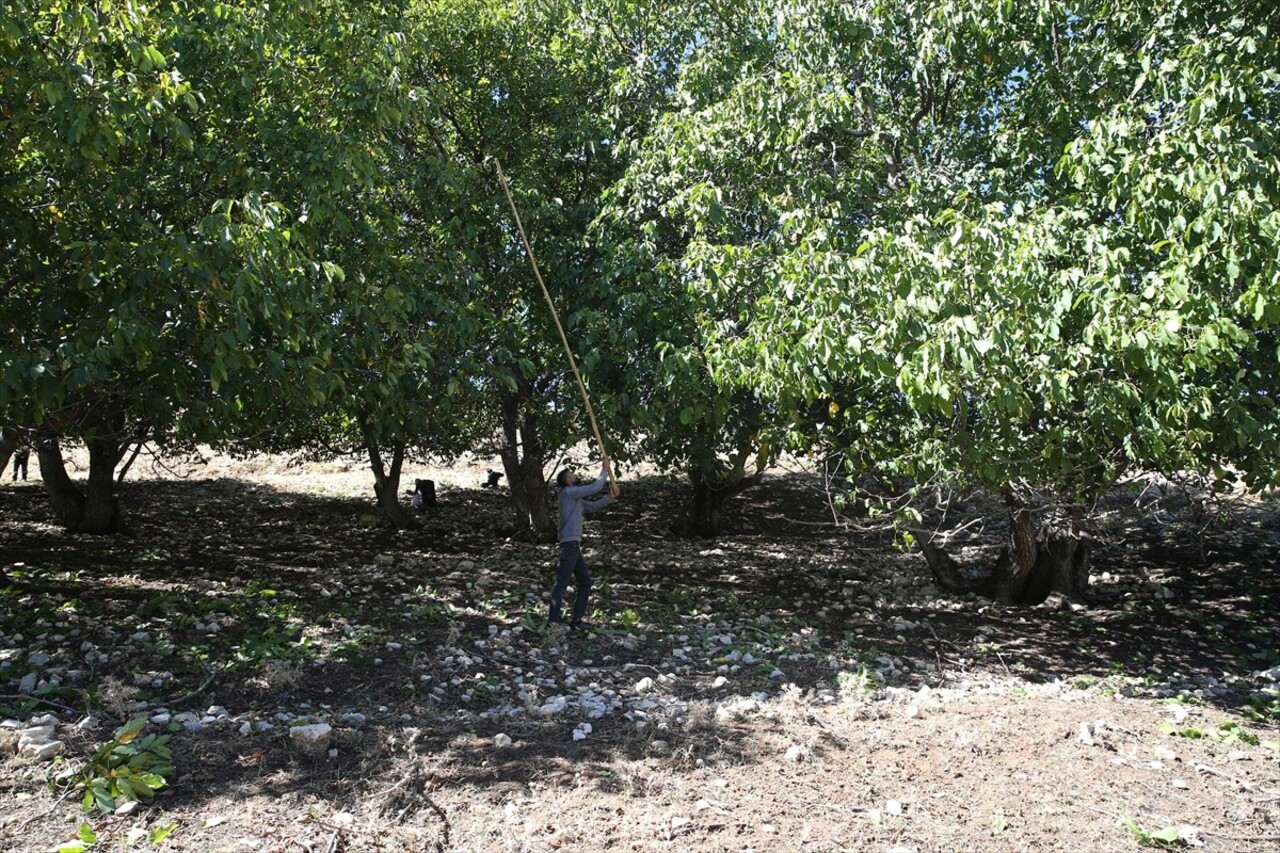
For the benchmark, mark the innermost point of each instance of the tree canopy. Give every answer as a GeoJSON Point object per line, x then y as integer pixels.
{"type": "Point", "coordinates": [1029, 248]}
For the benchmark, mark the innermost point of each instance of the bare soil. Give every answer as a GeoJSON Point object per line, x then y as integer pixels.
{"type": "Point", "coordinates": [792, 686]}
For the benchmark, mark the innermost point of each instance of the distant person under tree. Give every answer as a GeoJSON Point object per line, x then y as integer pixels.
{"type": "Point", "coordinates": [21, 457]}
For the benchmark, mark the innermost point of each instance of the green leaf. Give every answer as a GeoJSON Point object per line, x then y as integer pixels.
{"type": "Point", "coordinates": [162, 831]}
{"type": "Point", "coordinates": [86, 833]}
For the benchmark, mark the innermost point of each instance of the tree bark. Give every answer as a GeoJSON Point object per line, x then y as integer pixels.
{"type": "Point", "coordinates": [102, 509]}
{"type": "Point", "coordinates": [64, 496]}
{"type": "Point", "coordinates": [704, 513]}
{"type": "Point", "coordinates": [8, 444]}
{"type": "Point", "coordinates": [524, 456]}
{"type": "Point", "coordinates": [1036, 564]}
{"type": "Point", "coordinates": [1014, 567]}
{"type": "Point", "coordinates": [946, 571]}
{"type": "Point", "coordinates": [386, 480]}
{"type": "Point", "coordinates": [1066, 552]}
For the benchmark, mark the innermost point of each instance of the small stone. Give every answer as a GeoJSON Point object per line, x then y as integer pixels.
{"type": "Point", "coordinates": [27, 685]}
{"type": "Point", "coordinates": [43, 751]}
{"type": "Point", "coordinates": [501, 741]}
{"type": "Point", "coordinates": [795, 753]}
{"type": "Point", "coordinates": [313, 740]}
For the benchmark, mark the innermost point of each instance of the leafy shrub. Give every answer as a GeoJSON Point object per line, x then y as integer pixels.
{"type": "Point", "coordinates": [127, 767]}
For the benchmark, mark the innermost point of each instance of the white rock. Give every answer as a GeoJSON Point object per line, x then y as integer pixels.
{"type": "Point", "coordinates": [42, 751]}
{"type": "Point", "coordinates": [644, 685]}
{"type": "Point", "coordinates": [795, 753]}
{"type": "Point", "coordinates": [34, 735]}
{"type": "Point", "coordinates": [501, 741]}
{"type": "Point", "coordinates": [312, 740]}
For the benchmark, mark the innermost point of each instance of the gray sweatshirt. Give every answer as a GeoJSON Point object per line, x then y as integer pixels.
{"type": "Point", "coordinates": [573, 502]}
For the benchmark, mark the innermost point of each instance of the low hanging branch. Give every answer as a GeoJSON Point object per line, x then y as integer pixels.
{"type": "Point", "coordinates": [573, 364]}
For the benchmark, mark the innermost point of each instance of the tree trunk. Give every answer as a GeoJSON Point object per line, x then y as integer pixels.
{"type": "Point", "coordinates": [524, 456]}
{"type": "Point", "coordinates": [102, 509]}
{"type": "Point", "coordinates": [93, 509]}
{"type": "Point", "coordinates": [133, 457]}
{"type": "Point", "coordinates": [1015, 565]}
{"type": "Point", "coordinates": [1065, 552]}
{"type": "Point", "coordinates": [704, 513]}
{"type": "Point", "coordinates": [8, 444]}
{"type": "Point", "coordinates": [386, 481]}
{"type": "Point", "coordinates": [1035, 565]}
{"type": "Point", "coordinates": [946, 571]}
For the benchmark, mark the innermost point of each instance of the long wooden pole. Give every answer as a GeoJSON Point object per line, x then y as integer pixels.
{"type": "Point", "coordinates": [564, 339]}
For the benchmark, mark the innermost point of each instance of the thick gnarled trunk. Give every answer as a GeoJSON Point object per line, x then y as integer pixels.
{"type": "Point", "coordinates": [1036, 562]}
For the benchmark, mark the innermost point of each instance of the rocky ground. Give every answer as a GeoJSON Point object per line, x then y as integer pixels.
{"type": "Point", "coordinates": [328, 684]}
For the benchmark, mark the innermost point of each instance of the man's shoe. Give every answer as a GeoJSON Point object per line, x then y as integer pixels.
{"type": "Point", "coordinates": [580, 626]}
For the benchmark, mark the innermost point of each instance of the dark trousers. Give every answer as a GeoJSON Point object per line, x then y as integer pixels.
{"type": "Point", "coordinates": [20, 458]}
{"type": "Point", "coordinates": [571, 565]}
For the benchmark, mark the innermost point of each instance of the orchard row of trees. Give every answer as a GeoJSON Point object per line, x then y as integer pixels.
{"type": "Point", "coordinates": [1024, 247]}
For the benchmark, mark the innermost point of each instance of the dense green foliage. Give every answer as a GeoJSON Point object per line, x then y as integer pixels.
{"type": "Point", "coordinates": [1025, 247]}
